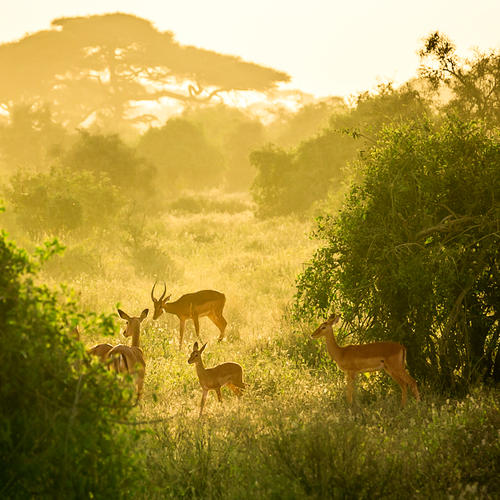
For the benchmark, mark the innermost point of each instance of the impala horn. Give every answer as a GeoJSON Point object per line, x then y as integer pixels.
{"type": "Point", "coordinates": [162, 295]}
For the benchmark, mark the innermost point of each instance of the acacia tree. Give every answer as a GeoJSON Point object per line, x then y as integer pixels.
{"type": "Point", "coordinates": [103, 64]}
{"type": "Point", "coordinates": [413, 256]}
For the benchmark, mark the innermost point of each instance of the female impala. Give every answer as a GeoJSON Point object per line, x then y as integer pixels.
{"type": "Point", "coordinates": [230, 374]}
{"type": "Point", "coordinates": [193, 306]}
{"type": "Point", "coordinates": [130, 358]}
{"type": "Point", "coordinates": [352, 359]}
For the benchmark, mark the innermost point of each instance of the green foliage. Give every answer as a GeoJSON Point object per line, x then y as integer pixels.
{"type": "Point", "coordinates": [182, 155]}
{"type": "Point", "coordinates": [59, 413]}
{"type": "Point", "coordinates": [475, 83]}
{"type": "Point", "coordinates": [62, 201]}
{"type": "Point", "coordinates": [290, 182]}
{"type": "Point", "coordinates": [413, 254]}
{"type": "Point", "coordinates": [106, 155]}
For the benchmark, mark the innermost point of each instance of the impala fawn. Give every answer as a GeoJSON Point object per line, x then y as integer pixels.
{"type": "Point", "coordinates": [230, 374]}
{"type": "Point", "coordinates": [353, 359]}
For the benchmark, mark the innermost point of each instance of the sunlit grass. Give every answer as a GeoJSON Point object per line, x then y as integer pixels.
{"type": "Point", "coordinates": [291, 435]}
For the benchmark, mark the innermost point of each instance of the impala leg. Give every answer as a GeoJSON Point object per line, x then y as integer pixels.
{"type": "Point", "coordinates": [220, 323]}
{"type": "Point", "coordinates": [351, 378]}
{"type": "Point", "coordinates": [412, 383]}
{"type": "Point", "coordinates": [203, 399]}
{"type": "Point", "coordinates": [181, 331]}
{"type": "Point", "coordinates": [400, 381]}
{"type": "Point", "coordinates": [219, 395]}
{"type": "Point", "coordinates": [140, 384]}
{"type": "Point", "coordinates": [196, 322]}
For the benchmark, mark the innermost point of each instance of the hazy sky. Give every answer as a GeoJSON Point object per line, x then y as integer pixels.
{"type": "Point", "coordinates": [328, 47]}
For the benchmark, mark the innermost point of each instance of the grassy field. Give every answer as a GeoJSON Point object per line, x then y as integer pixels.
{"type": "Point", "coordinates": [291, 435]}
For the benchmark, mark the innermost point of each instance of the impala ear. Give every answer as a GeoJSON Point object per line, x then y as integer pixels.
{"type": "Point", "coordinates": [123, 315]}
{"type": "Point", "coordinates": [195, 346]}
{"type": "Point", "coordinates": [143, 314]}
{"type": "Point", "coordinates": [166, 299]}
{"type": "Point", "coordinates": [203, 348]}
{"type": "Point", "coordinates": [334, 318]}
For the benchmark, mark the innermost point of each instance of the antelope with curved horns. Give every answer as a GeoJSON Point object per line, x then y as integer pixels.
{"type": "Point", "coordinates": [193, 306]}
{"type": "Point", "coordinates": [130, 358]}
{"type": "Point", "coordinates": [353, 359]}
{"type": "Point", "coordinates": [230, 374]}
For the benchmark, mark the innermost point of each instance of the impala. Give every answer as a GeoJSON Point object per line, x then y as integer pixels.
{"type": "Point", "coordinates": [352, 359]}
{"type": "Point", "coordinates": [100, 350]}
{"type": "Point", "coordinates": [230, 374]}
{"type": "Point", "coordinates": [192, 306]}
{"type": "Point", "coordinates": [126, 358]}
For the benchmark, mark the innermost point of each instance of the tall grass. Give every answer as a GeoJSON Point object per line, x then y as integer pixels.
{"type": "Point", "coordinates": [291, 435]}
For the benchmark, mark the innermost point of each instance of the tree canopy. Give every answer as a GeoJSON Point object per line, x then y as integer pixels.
{"type": "Point", "coordinates": [101, 65]}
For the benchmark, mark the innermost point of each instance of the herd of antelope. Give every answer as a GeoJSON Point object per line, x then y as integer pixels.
{"type": "Point", "coordinates": [351, 359]}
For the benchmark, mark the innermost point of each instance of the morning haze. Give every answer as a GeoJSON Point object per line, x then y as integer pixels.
{"type": "Point", "coordinates": [180, 218]}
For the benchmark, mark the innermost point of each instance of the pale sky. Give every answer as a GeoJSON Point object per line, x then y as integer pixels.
{"type": "Point", "coordinates": [328, 47]}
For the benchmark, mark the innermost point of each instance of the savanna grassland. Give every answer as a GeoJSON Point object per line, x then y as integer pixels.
{"type": "Point", "coordinates": [385, 209]}
{"type": "Point", "coordinates": [291, 435]}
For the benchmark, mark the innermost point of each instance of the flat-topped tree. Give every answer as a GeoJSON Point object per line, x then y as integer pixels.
{"type": "Point", "coordinates": [103, 64]}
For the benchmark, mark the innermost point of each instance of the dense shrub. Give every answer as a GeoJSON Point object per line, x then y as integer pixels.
{"type": "Point", "coordinates": [413, 254]}
{"type": "Point", "coordinates": [60, 414]}
{"type": "Point", "coordinates": [107, 155]}
{"type": "Point", "coordinates": [62, 201]}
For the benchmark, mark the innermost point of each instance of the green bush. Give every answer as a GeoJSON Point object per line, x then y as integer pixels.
{"type": "Point", "coordinates": [413, 255]}
{"type": "Point", "coordinates": [60, 413]}
{"type": "Point", "coordinates": [62, 201]}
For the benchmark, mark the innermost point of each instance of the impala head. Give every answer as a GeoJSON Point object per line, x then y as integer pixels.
{"type": "Point", "coordinates": [133, 322]}
{"type": "Point", "coordinates": [160, 302]}
{"type": "Point", "coordinates": [196, 354]}
{"type": "Point", "coordinates": [324, 327]}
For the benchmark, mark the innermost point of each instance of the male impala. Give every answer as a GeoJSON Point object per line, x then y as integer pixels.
{"type": "Point", "coordinates": [230, 374]}
{"type": "Point", "coordinates": [352, 359]}
{"type": "Point", "coordinates": [130, 358]}
{"type": "Point", "coordinates": [193, 306]}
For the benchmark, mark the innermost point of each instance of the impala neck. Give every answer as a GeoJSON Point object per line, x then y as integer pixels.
{"type": "Point", "coordinates": [135, 339]}
{"type": "Point", "coordinates": [170, 307]}
{"type": "Point", "coordinates": [200, 368]}
{"type": "Point", "coordinates": [333, 348]}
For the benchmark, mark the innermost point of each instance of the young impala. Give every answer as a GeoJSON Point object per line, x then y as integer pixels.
{"type": "Point", "coordinates": [353, 359]}
{"type": "Point", "coordinates": [230, 374]}
{"type": "Point", "coordinates": [126, 358]}
{"type": "Point", "coordinates": [192, 306]}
